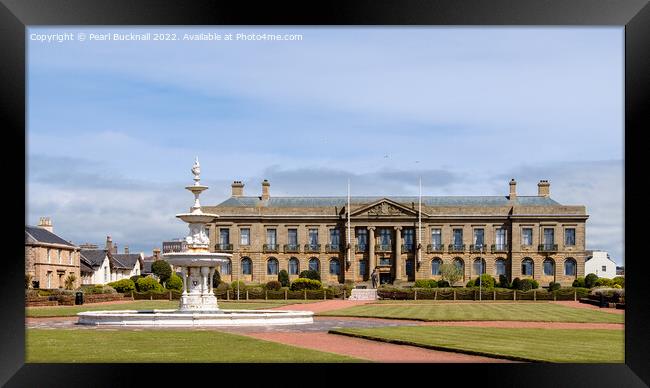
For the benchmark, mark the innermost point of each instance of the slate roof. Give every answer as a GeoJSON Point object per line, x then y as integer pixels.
{"type": "Point", "coordinates": [146, 265]}
{"type": "Point", "coordinates": [84, 266]}
{"type": "Point", "coordinates": [289, 202]}
{"type": "Point", "coordinates": [94, 257]}
{"type": "Point", "coordinates": [34, 234]}
{"type": "Point", "coordinates": [125, 260]}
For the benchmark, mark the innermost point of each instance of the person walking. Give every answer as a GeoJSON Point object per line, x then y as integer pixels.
{"type": "Point", "coordinates": [373, 277]}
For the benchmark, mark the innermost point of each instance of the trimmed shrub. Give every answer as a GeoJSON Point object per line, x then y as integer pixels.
{"type": "Point", "coordinates": [516, 284]}
{"type": "Point", "coordinates": [590, 280]}
{"type": "Point", "coordinates": [309, 274]}
{"type": "Point", "coordinates": [305, 284]}
{"type": "Point", "coordinates": [238, 283]}
{"type": "Point", "coordinates": [526, 284]}
{"type": "Point", "coordinates": [162, 269]}
{"type": "Point", "coordinates": [273, 285]}
{"type": "Point", "coordinates": [149, 283]}
{"type": "Point", "coordinates": [98, 289]}
{"type": "Point", "coordinates": [175, 282]}
{"type": "Point", "coordinates": [603, 282]}
{"type": "Point", "coordinates": [223, 286]}
{"type": "Point", "coordinates": [422, 283]}
{"type": "Point", "coordinates": [135, 278]}
{"type": "Point", "coordinates": [443, 283]}
{"type": "Point", "coordinates": [503, 281]}
{"type": "Point", "coordinates": [618, 286]}
{"type": "Point", "coordinates": [283, 278]}
{"type": "Point", "coordinates": [470, 283]}
{"type": "Point", "coordinates": [124, 285]}
{"type": "Point", "coordinates": [487, 281]}
{"type": "Point", "coordinates": [216, 279]}
{"type": "Point", "coordinates": [619, 280]}
{"type": "Point", "coordinates": [579, 282]}
{"type": "Point", "coordinates": [534, 283]}
{"type": "Point", "coordinates": [554, 286]}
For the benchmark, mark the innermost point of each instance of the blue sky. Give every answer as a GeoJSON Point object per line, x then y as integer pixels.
{"type": "Point", "coordinates": [113, 127]}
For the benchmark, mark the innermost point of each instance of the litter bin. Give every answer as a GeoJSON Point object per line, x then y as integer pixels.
{"type": "Point", "coordinates": [603, 303]}
{"type": "Point", "coordinates": [79, 298]}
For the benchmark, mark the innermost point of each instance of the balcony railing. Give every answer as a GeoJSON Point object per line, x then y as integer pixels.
{"type": "Point", "coordinates": [477, 248]}
{"type": "Point", "coordinates": [383, 247]}
{"type": "Point", "coordinates": [332, 248]}
{"type": "Point", "coordinates": [456, 248]}
{"type": "Point", "coordinates": [499, 248]}
{"type": "Point", "coordinates": [291, 248]}
{"type": "Point", "coordinates": [361, 248]}
{"type": "Point", "coordinates": [408, 247]}
{"type": "Point", "coordinates": [223, 247]}
{"type": "Point", "coordinates": [431, 248]}
{"type": "Point", "coordinates": [385, 261]}
{"type": "Point", "coordinates": [268, 248]}
{"type": "Point", "coordinates": [547, 247]}
{"type": "Point", "coordinates": [312, 248]}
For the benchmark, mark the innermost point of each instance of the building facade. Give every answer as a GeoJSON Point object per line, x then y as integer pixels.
{"type": "Point", "coordinates": [516, 236]}
{"type": "Point", "coordinates": [600, 264]}
{"type": "Point", "coordinates": [103, 266]}
{"type": "Point", "coordinates": [49, 259]}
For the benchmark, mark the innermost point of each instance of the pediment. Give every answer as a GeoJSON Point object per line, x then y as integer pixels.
{"type": "Point", "coordinates": [385, 208]}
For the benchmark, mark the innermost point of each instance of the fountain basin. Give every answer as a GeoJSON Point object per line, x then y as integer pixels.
{"type": "Point", "coordinates": [196, 259]}
{"type": "Point", "coordinates": [176, 318]}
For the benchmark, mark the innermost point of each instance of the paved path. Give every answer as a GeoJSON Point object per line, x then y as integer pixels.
{"type": "Point", "coordinates": [325, 305]}
{"type": "Point", "coordinates": [570, 303]}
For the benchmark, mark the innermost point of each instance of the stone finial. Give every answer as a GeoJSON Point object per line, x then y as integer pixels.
{"type": "Point", "coordinates": [513, 189]}
{"type": "Point", "coordinates": [196, 171]}
{"type": "Point", "coordinates": [265, 190]}
{"type": "Point", "coordinates": [544, 189]}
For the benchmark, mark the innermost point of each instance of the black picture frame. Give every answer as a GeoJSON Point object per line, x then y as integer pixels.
{"type": "Point", "coordinates": [16, 15]}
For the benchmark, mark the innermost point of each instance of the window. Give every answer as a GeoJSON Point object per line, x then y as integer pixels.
{"type": "Point", "coordinates": [49, 254]}
{"type": "Point", "coordinates": [313, 237]}
{"type": "Point", "coordinates": [314, 264]}
{"type": "Point", "coordinates": [435, 266]}
{"type": "Point", "coordinates": [294, 266]}
{"type": "Point", "coordinates": [459, 264]}
{"type": "Point", "coordinates": [500, 265]}
{"type": "Point", "coordinates": [362, 238]}
{"type": "Point", "coordinates": [335, 235]}
{"type": "Point", "coordinates": [604, 268]}
{"type": "Point", "coordinates": [49, 280]}
{"type": "Point", "coordinates": [569, 236]}
{"type": "Point", "coordinates": [226, 268]}
{"type": "Point", "coordinates": [527, 267]}
{"type": "Point", "coordinates": [500, 239]}
{"type": "Point", "coordinates": [458, 238]}
{"type": "Point", "coordinates": [527, 236]}
{"type": "Point", "coordinates": [272, 266]}
{"type": "Point", "coordinates": [224, 236]}
{"type": "Point", "coordinates": [207, 232]}
{"type": "Point", "coordinates": [570, 267]}
{"type": "Point", "coordinates": [58, 254]}
{"type": "Point", "coordinates": [246, 266]}
{"type": "Point", "coordinates": [436, 238]}
{"type": "Point", "coordinates": [71, 257]}
{"type": "Point", "coordinates": [362, 268]}
{"type": "Point", "coordinates": [244, 236]}
{"type": "Point", "coordinates": [105, 275]}
{"type": "Point", "coordinates": [478, 237]}
{"type": "Point", "coordinates": [408, 238]}
{"type": "Point", "coordinates": [479, 266]}
{"type": "Point", "coordinates": [549, 237]}
{"type": "Point", "coordinates": [270, 238]}
{"type": "Point", "coordinates": [549, 267]}
{"type": "Point", "coordinates": [385, 238]}
{"type": "Point", "coordinates": [335, 267]}
{"type": "Point", "coordinates": [292, 237]}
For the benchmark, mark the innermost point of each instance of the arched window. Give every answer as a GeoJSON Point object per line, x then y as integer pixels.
{"type": "Point", "coordinates": [527, 267]}
{"type": "Point", "coordinates": [294, 266]}
{"type": "Point", "coordinates": [479, 266]}
{"type": "Point", "coordinates": [246, 266]}
{"type": "Point", "coordinates": [435, 266]}
{"type": "Point", "coordinates": [500, 265]}
{"type": "Point", "coordinates": [314, 264]}
{"type": "Point", "coordinates": [570, 267]}
{"type": "Point", "coordinates": [549, 267]}
{"type": "Point", "coordinates": [335, 267]}
{"type": "Point", "coordinates": [458, 262]}
{"type": "Point", "coordinates": [272, 266]}
{"type": "Point", "coordinates": [226, 268]}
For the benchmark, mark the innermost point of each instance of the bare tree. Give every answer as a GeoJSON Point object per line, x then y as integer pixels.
{"type": "Point", "coordinates": [450, 273]}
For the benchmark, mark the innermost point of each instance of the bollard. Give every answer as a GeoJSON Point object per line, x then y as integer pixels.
{"type": "Point", "coordinates": [324, 294]}
{"type": "Point", "coordinates": [305, 294]}
{"type": "Point", "coordinates": [534, 294]}
{"type": "Point", "coordinates": [575, 295]}
{"type": "Point", "coordinates": [266, 294]}
{"type": "Point", "coordinates": [454, 294]}
{"type": "Point", "coordinates": [415, 296]}
{"type": "Point", "coordinates": [285, 294]}
{"type": "Point", "coordinates": [170, 295]}
{"type": "Point", "coordinates": [435, 295]}
{"type": "Point", "coordinates": [132, 297]}
{"type": "Point", "coordinates": [514, 296]}
{"type": "Point", "coordinates": [246, 294]}
{"type": "Point", "coordinates": [150, 296]}
{"type": "Point", "coordinates": [227, 294]}
{"type": "Point", "coordinates": [494, 295]}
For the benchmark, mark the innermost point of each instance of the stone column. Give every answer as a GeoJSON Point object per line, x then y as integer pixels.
{"type": "Point", "coordinates": [210, 279]}
{"type": "Point", "coordinates": [371, 249]}
{"type": "Point", "coordinates": [204, 279]}
{"type": "Point", "coordinates": [184, 273]}
{"type": "Point", "coordinates": [398, 253]}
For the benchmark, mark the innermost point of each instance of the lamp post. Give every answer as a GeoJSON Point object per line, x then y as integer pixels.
{"type": "Point", "coordinates": [480, 288]}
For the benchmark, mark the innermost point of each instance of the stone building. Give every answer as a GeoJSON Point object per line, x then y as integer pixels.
{"type": "Point", "coordinates": [49, 259]}
{"type": "Point", "coordinates": [517, 236]}
{"type": "Point", "coordinates": [106, 265]}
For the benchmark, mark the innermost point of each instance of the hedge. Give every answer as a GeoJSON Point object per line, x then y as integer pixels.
{"type": "Point", "coordinates": [485, 294]}
{"type": "Point", "coordinates": [124, 285]}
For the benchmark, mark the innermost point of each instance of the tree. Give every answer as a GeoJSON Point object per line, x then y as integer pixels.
{"type": "Point", "coordinates": [174, 283]}
{"type": "Point", "coordinates": [283, 277]}
{"type": "Point", "coordinates": [69, 281]}
{"type": "Point", "coordinates": [450, 273]}
{"type": "Point", "coordinates": [161, 269]}
{"type": "Point", "coordinates": [216, 279]}
{"type": "Point", "coordinates": [310, 274]}
{"type": "Point", "coordinates": [590, 280]}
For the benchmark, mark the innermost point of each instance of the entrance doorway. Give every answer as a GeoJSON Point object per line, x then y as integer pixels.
{"type": "Point", "coordinates": [384, 278]}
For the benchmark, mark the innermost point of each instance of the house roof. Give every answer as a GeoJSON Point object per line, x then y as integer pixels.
{"type": "Point", "coordinates": [94, 257]}
{"type": "Point", "coordinates": [146, 265]}
{"type": "Point", "coordinates": [84, 266]}
{"type": "Point", "coordinates": [125, 260]}
{"type": "Point", "coordinates": [34, 234]}
{"type": "Point", "coordinates": [289, 202]}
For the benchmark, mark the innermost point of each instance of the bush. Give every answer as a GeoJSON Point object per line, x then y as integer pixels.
{"type": "Point", "coordinates": [283, 278]}
{"type": "Point", "coordinates": [503, 281]}
{"type": "Point", "coordinates": [124, 285]}
{"type": "Point", "coordinates": [618, 286]}
{"type": "Point", "coordinates": [553, 286]}
{"type": "Point", "coordinates": [98, 289]}
{"type": "Point", "coordinates": [135, 278]}
{"type": "Point", "coordinates": [149, 283]}
{"type": "Point", "coordinates": [223, 286]}
{"type": "Point", "coordinates": [579, 282]}
{"type": "Point", "coordinates": [238, 283]}
{"type": "Point", "coordinates": [306, 284]}
{"type": "Point", "coordinates": [69, 281]}
{"type": "Point", "coordinates": [470, 283]}
{"type": "Point", "coordinates": [590, 280]}
{"type": "Point", "coordinates": [273, 285]}
{"type": "Point", "coordinates": [613, 295]}
{"type": "Point", "coordinates": [619, 280]}
{"type": "Point", "coordinates": [309, 274]}
{"type": "Point", "coordinates": [175, 282]}
{"type": "Point", "coordinates": [161, 269]}
{"type": "Point", "coordinates": [534, 283]}
{"type": "Point", "coordinates": [603, 282]}
{"type": "Point", "coordinates": [426, 283]}
{"type": "Point", "coordinates": [516, 284]}
{"type": "Point", "coordinates": [216, 279]}
{"type": "Point", "coordinates": [487, 281]}
{"type": "Point", "coordinates": [443, 283]}
{"type": "Point", "coordinates": [525, 285]}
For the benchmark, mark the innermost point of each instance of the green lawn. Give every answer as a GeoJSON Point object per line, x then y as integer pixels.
{"type": "Point", "coordinates": [538, 312]}
{"type": "Point", "coordinates": [138, 345]}
{"type": "Point", "coordinates": [69, 311]}
{"type": "Point", "coordinates": [548, 345]}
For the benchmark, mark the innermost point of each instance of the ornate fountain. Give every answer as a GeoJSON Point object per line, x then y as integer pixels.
{"type": "Point", "coordinates": [198, 304]}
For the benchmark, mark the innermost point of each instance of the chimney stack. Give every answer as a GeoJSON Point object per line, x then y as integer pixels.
{"type": "Point", "coordinates": [109, 244]}
{"type": "Point", "coordinates": [237, 189]}
{"type": "Point", "coordinates": [265, 190]}
{"type": "Point", "coordinates": [126, 250]}
{"type": "Point", "coordinates": [544, 189]}
{"type": "Point", "coordinates": [45, 223]}
{"type": "Point", "coordinates": [513, 189]}
{"type": "Point", "coordinates": [156, 254]}
{"type": "Point", "coordinates": [114, 251]}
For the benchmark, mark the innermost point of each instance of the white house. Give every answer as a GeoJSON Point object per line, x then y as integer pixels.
{"type": "Point", "coordinates": [600, 264]}
{"type": "Point", "coordinates": [101, 266]}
